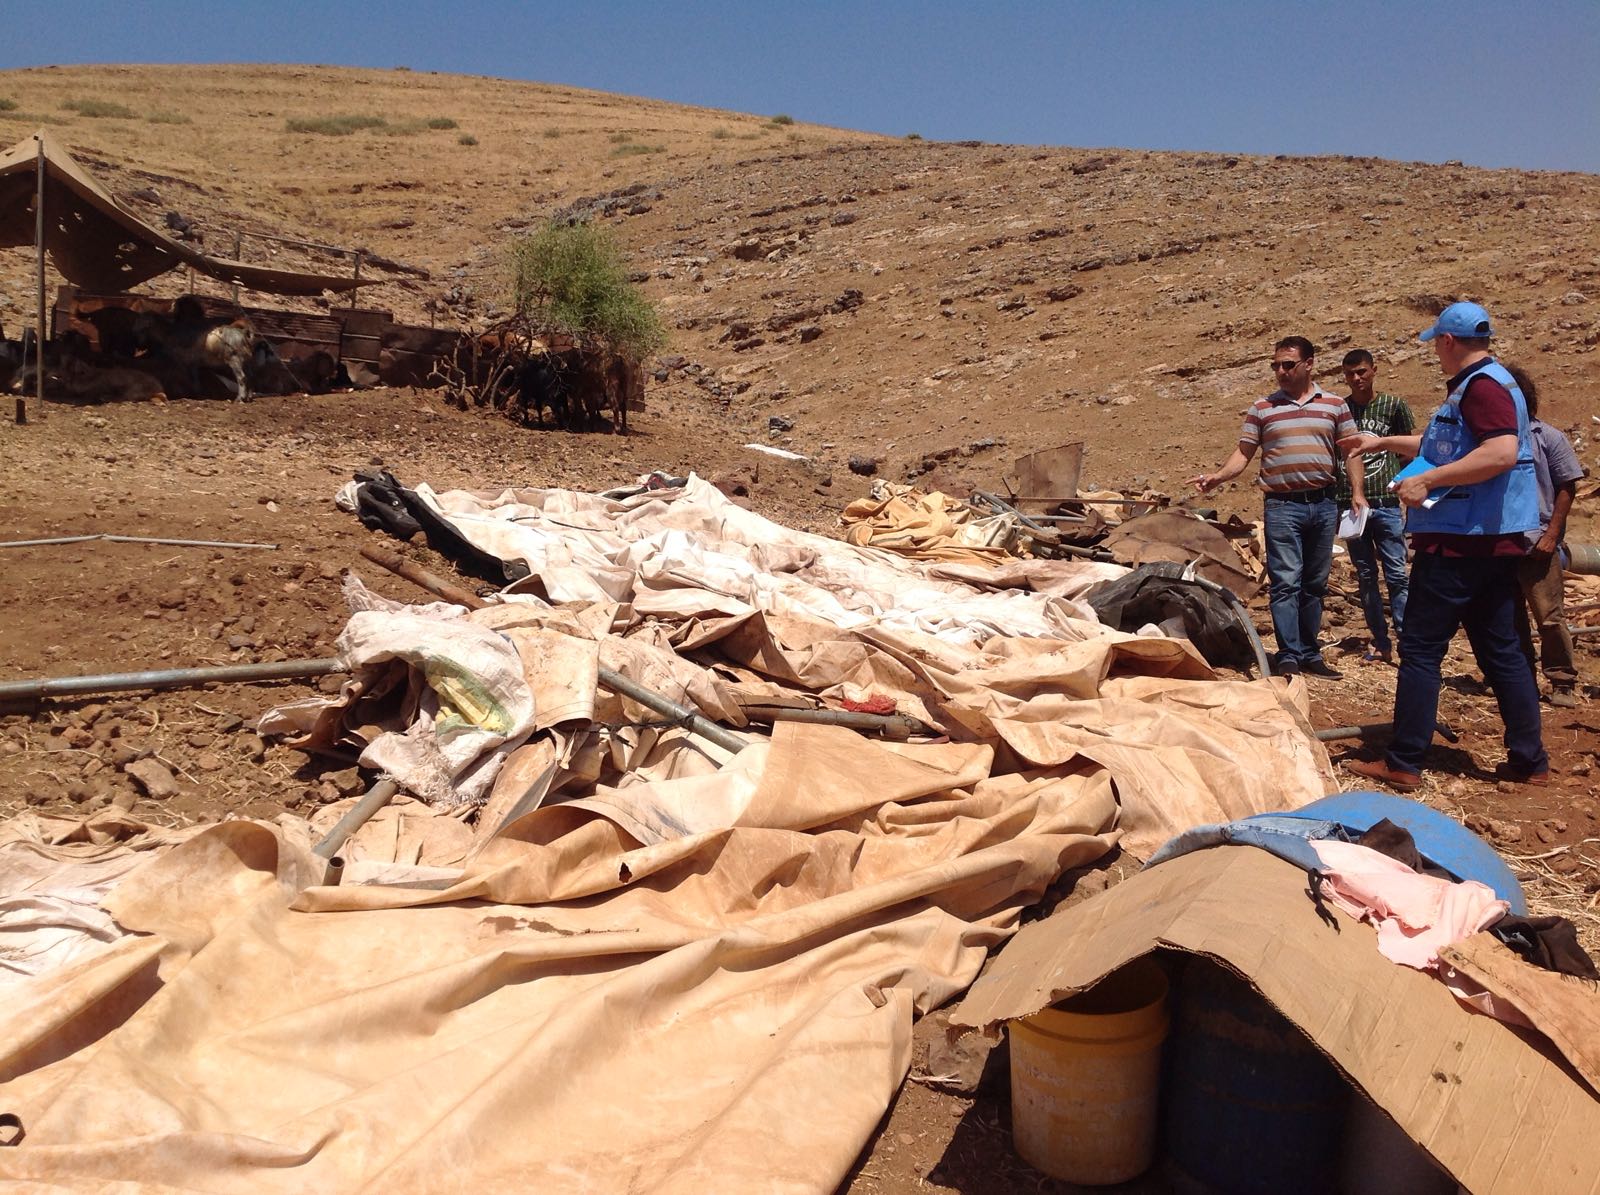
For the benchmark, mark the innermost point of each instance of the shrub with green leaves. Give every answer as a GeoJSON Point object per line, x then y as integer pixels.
{"type": "Point", "coordinates": [441, 122]}
{"type": "Point", "coordinates": [571, 277]}
{"type": "Point", "coordinates": [333, 126]}
{"type": "Point", "coordinates": [99, 108]}
{"type": "Point", "coordinates": [466, 139]}
{"type": "Point", "coordinates": [633, 148]}
{"type": "Point", "coordinates": [782, 118]}
{"type": "Point", "coordinates": [7, 105]}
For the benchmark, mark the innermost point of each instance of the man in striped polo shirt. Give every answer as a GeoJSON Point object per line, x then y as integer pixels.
{"type": "Point", "coordinates": [1296, 427]}
{"type": "Point", "coordinates": [1384, 540]}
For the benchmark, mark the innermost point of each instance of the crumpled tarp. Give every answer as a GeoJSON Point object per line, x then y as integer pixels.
{"type": "Point", "coordinates": [652, 965]}
{"type": "Point", "coordinates": [728, 1009]}
{"type": "Point", "coordinates": [720, 609]}
{"type": "Point", "coordinates": [926, 526]}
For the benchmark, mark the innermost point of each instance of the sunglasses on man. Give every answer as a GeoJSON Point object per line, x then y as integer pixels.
{"type": "Point", "coordinates": [1277, 365]}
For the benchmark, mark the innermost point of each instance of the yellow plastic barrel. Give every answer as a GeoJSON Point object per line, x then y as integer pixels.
{"type": "Point", "coordinates": [1085, 1076]}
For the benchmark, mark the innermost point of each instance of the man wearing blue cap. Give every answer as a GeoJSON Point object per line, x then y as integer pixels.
{"type": "Point", "coordinates": [1470, 499]}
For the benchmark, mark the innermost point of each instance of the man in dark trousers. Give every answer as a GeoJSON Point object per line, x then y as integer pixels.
{"type": "Point", "coordinates": [1296, 428]}
{"type": "Point", "coordinates": [1470, 502]}
{"type": "Point", "coordinates": [1382, 543]}
{"type": "Point", "coordinates": [1558, 469]}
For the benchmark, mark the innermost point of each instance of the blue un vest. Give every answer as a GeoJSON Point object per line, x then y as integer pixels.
{"type": "Point", "coordinates": [1500, 506]}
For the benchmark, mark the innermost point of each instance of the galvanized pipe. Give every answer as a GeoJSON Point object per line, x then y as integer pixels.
{"type": "Point", "coordinates": [359, 814]}
{"type": "Point", "coordinates": [679, 715]}
{"type": "Point", "coordinates": [169, 678]}
{"type": "Point", "coordinates": [1583, 559]}
{"type": "Point", "coordinates": [1335, 733]}
{"type": "Point", "coordinates": [135, 539]}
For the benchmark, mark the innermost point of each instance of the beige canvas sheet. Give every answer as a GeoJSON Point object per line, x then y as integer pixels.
{"type": "Point", "coordinates": [729, 1009]}
{"type": "Point", "coordinates": [685, 968]}
{"type": "Point", "coordinates": [927, 526]}
{"type": "Point", "coordinates": [99, 244]}
{"type": "Point", "coordinates": [718, 608]}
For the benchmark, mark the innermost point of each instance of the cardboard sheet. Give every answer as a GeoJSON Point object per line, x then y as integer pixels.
{"type": "Point", "coordinates": [1498, 1108]}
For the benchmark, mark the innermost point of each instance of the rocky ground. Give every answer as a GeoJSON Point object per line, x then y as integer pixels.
{"type": "Point", "coordinates": [932, 311]}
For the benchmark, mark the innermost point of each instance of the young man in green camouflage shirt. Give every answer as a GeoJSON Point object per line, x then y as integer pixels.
{"type": "Point", "coordinates": [1383, 542]}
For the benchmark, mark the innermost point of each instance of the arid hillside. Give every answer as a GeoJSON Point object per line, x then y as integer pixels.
{"type": "Point", "coordinates": [933, 305]}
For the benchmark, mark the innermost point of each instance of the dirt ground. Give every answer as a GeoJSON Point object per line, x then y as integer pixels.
{"type": "Point", "coordinates": [936, 310]}
{"type": "Point", "coordinates": [265, 472]}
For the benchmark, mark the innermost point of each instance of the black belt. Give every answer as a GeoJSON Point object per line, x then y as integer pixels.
{"type": "Point", "coordinates": [1324, 494]}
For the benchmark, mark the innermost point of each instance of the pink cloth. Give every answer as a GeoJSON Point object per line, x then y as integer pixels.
{"type": "Point", "coordinates": [1415, 915]}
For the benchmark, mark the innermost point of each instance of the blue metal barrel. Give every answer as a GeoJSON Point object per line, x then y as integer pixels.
{"type": "Point", "coordinates": [1251, 1105]}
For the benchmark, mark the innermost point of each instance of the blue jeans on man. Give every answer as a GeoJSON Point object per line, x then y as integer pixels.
{"type": "Point", "coordinates": [1483, 595]}
{"type": "Point", "coordinates": [1383, 542]}
{"type": "Point", "coordinates": [1299, 538]}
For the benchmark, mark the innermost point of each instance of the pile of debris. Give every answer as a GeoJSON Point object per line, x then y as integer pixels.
{"type": "Point", "coordinates": [593, 901]}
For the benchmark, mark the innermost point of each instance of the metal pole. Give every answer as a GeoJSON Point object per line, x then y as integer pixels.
{"type": "Point", "coordinates": [679, 715]}
{"type": "Point", "coordinates": [897, 727]}
{"type": "Point", "coordinates": [38, 242]}
{"type": "Point", "coordinates": [134, 539]}
{"type": "Point", "coordinates": [35, 543]}
{"type": "Point", "coordinates": [356, 290]}
{"type": "Point", "coordinates": [238, 248]}
{"type": "Point", "coordinates": [1241, 614]}
{"type": "Point", "coordinates": [375, 798]}
{"type": "Point", "coordinates": [1335, 733]}
{"type": "Point", "coordinates": [170, 678]}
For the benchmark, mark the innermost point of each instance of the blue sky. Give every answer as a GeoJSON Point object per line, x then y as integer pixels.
{"type": "Point", "coordinates": [1493, 84]}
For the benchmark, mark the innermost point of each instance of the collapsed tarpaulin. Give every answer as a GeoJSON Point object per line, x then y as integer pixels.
{"type": "Point", "coordinates": [753, 981]}
{"type": "Point", "coordinates": [712, 949]}
{"type": "Point", "coordinates": [716, 607]}
{"type": "Point", "coordinates": [927, 526]}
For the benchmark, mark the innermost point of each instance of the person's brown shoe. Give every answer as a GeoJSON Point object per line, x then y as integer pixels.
{"type": "Point", "coordinates": [1564, 697]}
{"type": "Point", "coordinates": [1380, 771]}
{"type": "Point", "coordinates": [1504, 771]}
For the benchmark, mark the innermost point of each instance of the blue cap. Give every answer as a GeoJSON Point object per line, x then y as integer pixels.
{"type": "Point", "coordinates": [1460, 319]}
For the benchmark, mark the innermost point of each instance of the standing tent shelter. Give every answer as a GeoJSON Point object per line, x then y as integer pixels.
{"type": "Point", "coordinates": [49, 201]}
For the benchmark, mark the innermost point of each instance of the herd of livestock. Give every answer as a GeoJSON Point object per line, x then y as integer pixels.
{"type": "Point", "coordinates": [145, 352]}
{"type": "Point", "coordinates": [141, 354]}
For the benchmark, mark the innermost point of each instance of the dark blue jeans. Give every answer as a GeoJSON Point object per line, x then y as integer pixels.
{"type": "Point", "coordinates": [1299, 554]}
{"type": "Point", "coordinates": [1482, 595]}
{"type": "Point", "coordinates": [1384, 541]}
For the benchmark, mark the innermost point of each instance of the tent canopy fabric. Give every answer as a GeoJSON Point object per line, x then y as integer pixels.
{"type": "Point", "coordinates": [99, 244]}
